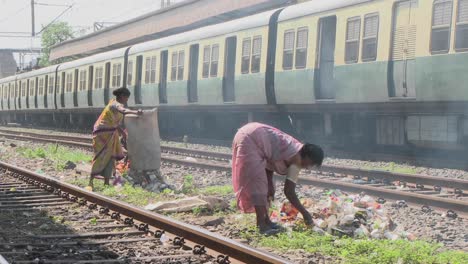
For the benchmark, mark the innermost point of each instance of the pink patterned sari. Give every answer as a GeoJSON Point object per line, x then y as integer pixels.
{"type": "Point", "coordinates": [257, 147]}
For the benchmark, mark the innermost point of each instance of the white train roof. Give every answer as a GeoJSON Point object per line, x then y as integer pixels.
{"type": "Point", "coordinates": [225, 28]}
{"type": "Point", "coordinates": [113, 54]}
{"type": "Point", "coordinates": [315, 6]}
{"type": "Point", "coordinates": [8, 79]}
{"type": "Point", "coordinates": [41, 71]}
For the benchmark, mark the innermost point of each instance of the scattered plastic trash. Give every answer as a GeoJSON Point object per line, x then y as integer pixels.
{"type": "Point", "coordinates": [342, 214]}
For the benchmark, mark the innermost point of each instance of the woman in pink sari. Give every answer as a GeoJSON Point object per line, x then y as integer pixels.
{"type": "Point", "coordinates": [258, 150]}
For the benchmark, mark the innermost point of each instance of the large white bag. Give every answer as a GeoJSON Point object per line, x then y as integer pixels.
{"type": "Point", "coordinates": [143, 142]}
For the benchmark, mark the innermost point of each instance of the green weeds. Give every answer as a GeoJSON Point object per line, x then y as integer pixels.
{"type": "Point", "coordinates": [59, 155]}
{"type": "Point", "coordinates": [360, 251]}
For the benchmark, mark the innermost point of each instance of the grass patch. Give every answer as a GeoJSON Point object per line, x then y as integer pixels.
{"type": "Point", "coordinates": [127, 193]}
{"type": "Point", "coordinates": [392, 167]}
{"type": "Point", "coordinates": [361, 251]}
{"type": "Point", "coordinates": [217, 190]}
{"type": "Point", "coordinates": [59, 155]}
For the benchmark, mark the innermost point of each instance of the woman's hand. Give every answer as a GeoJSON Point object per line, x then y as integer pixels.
{"type": "Point", "coordinates": [308, 218]}
{"type": "Point", "coordinates": [139, 112]}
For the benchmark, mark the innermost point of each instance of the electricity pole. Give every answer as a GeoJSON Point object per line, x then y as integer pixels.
{"type": "Point", "coordinates": [33, 33]}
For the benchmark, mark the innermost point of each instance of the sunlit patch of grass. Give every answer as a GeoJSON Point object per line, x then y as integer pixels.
{"type": "Point", "coordinates": [127, 193]}
{"type": "Point", "coordinates": [217, 190]}
{"type": "Point", "coordinates": [360, 251]}
{"type": "Point", "coordinates": [59, 155]}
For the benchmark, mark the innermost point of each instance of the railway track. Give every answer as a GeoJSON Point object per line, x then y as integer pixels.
{"type": "Point", "coordinates": [427, 192]}
{"type": "Point", "coordinates": [43, 220]}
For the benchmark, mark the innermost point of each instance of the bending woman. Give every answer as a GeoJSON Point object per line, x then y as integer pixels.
{"type": "Point", "coordinates": [258, 150]}
{"type": "Point", "coordinates": [106, 143]}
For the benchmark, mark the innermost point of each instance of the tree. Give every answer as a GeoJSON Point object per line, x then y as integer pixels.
{"type": "Point", "coordinates": [52, 35]}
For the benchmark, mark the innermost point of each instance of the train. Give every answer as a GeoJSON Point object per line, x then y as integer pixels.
{"type": "Point", "coordinates": [379, 73]}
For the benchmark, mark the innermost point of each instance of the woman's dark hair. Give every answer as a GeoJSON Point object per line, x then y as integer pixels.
{"type": "Point", "coordinates": [312, 152]}
{"type": "Point", "coordinates": [121, 92]}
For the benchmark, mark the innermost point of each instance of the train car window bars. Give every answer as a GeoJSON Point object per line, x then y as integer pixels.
{"type": "Point", "coordinates": [116, 75]}
{"type": "Point", "coordinates": [129, 73]}
{"type": "Point", "coordinates": [256, 54]}
{"type": "Point", "coordinates": [353, 32]}
{"type": "Point", "coordinates": [214, 60]}
{"type": "Point", "coordinates": [288, 49]}
{"type": "Point", "coordinates": [370, 37]}
{"type": "Point", "coordinates": [301, 47]}
{"type": "Point", "coordinates": [99, 78]}
{"type": "Point", "coordinates": [246, 51]}
{"type": "Point", "coordinates": [441, 25]}
{"type": "Point", "coordinates": [461, 36]}
{"type": "Point", "coordinates": [69, 81]}
{"type": "Point", "coordinates": [82, 85]}
{"type": "Point", "coordinates": [150, 70]}
{"type": "Point", "coordinates": [51, 84]}
{"type": "Point", "coordinates": [31, 88]}
{"type": "Point", "coordinates": [206, 61]}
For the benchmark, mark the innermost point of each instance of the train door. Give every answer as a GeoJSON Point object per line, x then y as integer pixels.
{"type": "Point", "coordinates": [107, 83]}
{"type": "Point", "coordinates": [229, 70]}
{"type": "Point", "coordinates": [325, 61]}
{"type": "Point", "coordinates": [163, 77]}
{"type": "Point", "coordinates": [62, 90]}
{"type": "Point", "coordinates": [192, 91]}
{"type": "Point", "coordinates": [139, 73]}
{"type": "Point", "coordinates": [17, 97]}
{"type": "Point", "coordinates": [401, 71]}
{"type": "Point", "coordinates": [75, 88]}
{"type": "Point", "coordinates": [18, 93]}
{"type": "Point", "coordinates": [46, 88]}
{"type": "Point", "coordinates": [90, 85]}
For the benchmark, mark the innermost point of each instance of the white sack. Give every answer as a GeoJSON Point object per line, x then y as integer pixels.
{"type": "Point", "coordinates": [143, 142]}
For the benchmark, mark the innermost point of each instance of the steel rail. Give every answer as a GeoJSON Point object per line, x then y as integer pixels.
{"type": "Point", "coordinates": [231, 248]}
{"type": "Point", "coordinates": [433, 201]}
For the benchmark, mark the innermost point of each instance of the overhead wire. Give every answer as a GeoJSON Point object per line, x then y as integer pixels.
{"type": "Point", "coordinates": [14, 14]}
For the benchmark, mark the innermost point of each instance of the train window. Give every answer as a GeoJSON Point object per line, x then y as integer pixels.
{"type": "Point", "coordinates": [461, 42]}
{"type": "Point", "coordinates": [174, 66]}
{"type": "Point", "coordinates": [180, 65]}
{"type": "Point", "coordinates": [99, 77]}
{"type": "Point", "coordinates": [51, 84]}
{"type": "Point", "coordinates": [59, 84]}
{"type": "Point", "coordinates": [69, 82]}
{"type": "Point", "coordinates": [256, 54]}
{"type": "Point", "coordinates": [82, 84]}
{"type": "Point", "coordinates": [353, 33]}
{"type": "Point", "coordinates": [129, 72]}
{"type": "Point", "coordinates": [147, 70]}
{"type": "Point", "coordinates": [246, 48]}
{"type": "Point", "coordinates": [153, 70]}
{"type": "Point", "coordinates": [206, 61]}
{"type": "Point", "coordinates": [150, 70]}
{"type": "Point", "coordinates": [116, 75]}
{"type": "Point", "coordinates": [288, 49]}
{"type": "Point", "coordinates": [214, 60]}
{"type": "Point", "coordinates": [41, 87]}
{"type": "Point", "coordinates": [370, 37]}
{"type": "Point", "coordinates": [441, 24]}
{"type": "Point", "coordinates": [32, 88]}
{"type": "Point", "coordinates": [301, 47]}
{"type": "Point", "coordinates": [23, 89]}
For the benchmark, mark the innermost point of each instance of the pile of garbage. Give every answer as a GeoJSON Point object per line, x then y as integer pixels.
{"type": "Point", "coordinates": [342, 214]}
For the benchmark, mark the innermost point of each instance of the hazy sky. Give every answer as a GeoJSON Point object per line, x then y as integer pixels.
{"type": "Point", "coordinates": [15, 16]}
